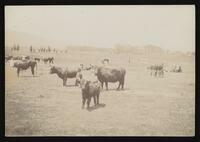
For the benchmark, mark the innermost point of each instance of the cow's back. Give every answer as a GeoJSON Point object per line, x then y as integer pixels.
{"type": "Point", "coordinates": [70, 73]}
{"type": "Point", "coordinates": [110, 74]}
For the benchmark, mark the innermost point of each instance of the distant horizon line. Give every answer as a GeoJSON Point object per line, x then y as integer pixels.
{"type": "Point", "coordinates": [64, 45]}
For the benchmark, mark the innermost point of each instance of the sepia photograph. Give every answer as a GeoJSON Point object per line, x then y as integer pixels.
{"type": "Point", "coordinates": [100, 70]}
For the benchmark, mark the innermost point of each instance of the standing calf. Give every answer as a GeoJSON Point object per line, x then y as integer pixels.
{"type": "Point", "coordinates": [90, 89]}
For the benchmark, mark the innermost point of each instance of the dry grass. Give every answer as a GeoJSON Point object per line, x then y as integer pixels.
{"type": "Point", "coordinates": [149, 106]}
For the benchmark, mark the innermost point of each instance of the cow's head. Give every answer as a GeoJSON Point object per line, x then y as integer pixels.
{"type": "Point", "coordinates": [53, 70]}
{"type": "Point", "coordinates": [15, 64]}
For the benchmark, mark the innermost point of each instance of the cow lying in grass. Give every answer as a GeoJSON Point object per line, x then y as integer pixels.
{"type": "Point", "coordinates": [64, 74]}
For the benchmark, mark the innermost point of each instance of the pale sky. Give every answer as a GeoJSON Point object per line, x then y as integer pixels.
{"type": "Point", "coordinates": [170, 27]}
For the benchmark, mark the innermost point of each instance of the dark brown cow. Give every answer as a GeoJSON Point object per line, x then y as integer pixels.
{"type": "Point", "coordinates": [90, 89]}
{"type": "Point", "coordinates": [64, 74]}
{"type": "Point", "coordinates": [105, 74]}
{"type": "Point", "coordinates": [25, 65]}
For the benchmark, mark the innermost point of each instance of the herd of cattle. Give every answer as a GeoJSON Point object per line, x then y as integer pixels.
{"type": "Point", "coordinates": [158, 70]}
{"type": "Point", "coordinates": [90, 87]}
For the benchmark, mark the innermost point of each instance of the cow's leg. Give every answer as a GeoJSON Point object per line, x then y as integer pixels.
{"type": "Point", "coordinates": [106, 85]}
{"type": "Point", "coordinates": [18, 70]}
{"type": "Point", "coordinates": [102, 84]}
{"type": "Point", "coordinates": [155, 73]}
{"type": "Point", "coordinates": [95, 101]}
{"type": "Point", "coordinates": [162, 73]}
{"type": "Point", "coordinates": [88, 102]}
{"type": "Point", "coordinates": [64, 81]}
{"type": "Point", "coordinates": [119, 85]}
{"type": "Point", "coordinates": [83, 102]}
{"type": "Point", "coordinates": [32, 70]}
{"type": "Point", "coordinates": [76, 83]}
{"type": "Point", "coordinates": [122, 83]}
{"type": "Point", "coordinates": [98, 98]}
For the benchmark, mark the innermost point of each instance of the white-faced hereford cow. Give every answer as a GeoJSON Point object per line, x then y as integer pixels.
{"type": "Point", "coordinates": [64, 74]}
{"type": "Point", "coordinates": [105, 74]}
{"type": "Point", "coordinates": [24, 65]}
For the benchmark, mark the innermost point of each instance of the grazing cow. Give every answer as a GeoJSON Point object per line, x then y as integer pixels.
{"type": "Point", "coordinates": [105, 74]}
{"type": "Point", "coordinates": [50, 60]}
{"type": "Point", "coordinates": [90, 89]}
{"type": "Point", "coordinates": [24, 65]}
{"type": "Point", "coordinates": [64, 74]}
{"type": "Point", "coordinates": [105, 61]}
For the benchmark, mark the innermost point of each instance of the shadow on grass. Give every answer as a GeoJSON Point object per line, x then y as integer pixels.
{"type": "Point", "coordinates": [113, 89]}
{"type": "Point", "coordinates": [92, 108]}
{"type": "Point", "coordinates": [71, 85]}
{"type": "Point", "coordinates": [24, 76]}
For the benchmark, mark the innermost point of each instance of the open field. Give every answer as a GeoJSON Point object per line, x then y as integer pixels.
{"type": "Point", "coordinates": [148, 106]}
